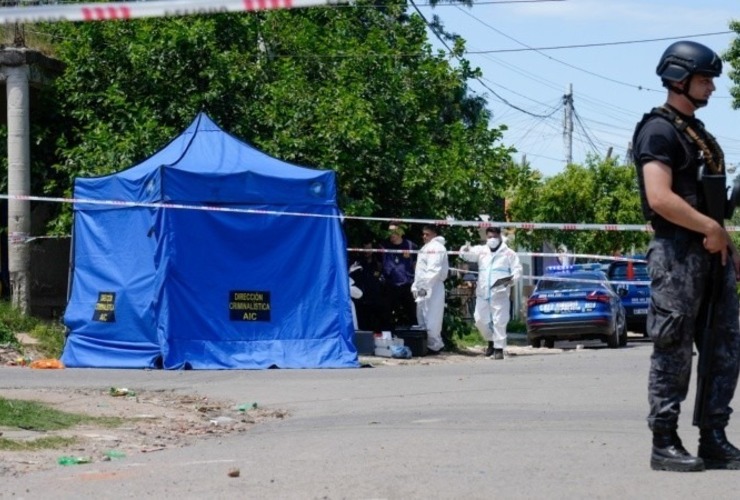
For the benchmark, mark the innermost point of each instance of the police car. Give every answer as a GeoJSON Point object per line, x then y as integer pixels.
{"type": "Point", "coordinates": [632, 282]}
{"type": "Point", "coordinates": [575, 303]}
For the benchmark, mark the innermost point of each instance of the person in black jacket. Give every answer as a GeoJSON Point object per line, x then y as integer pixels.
{"type": "Point", "coordinates": [372, 310]}
{"type": "Point", "coordinates": [672, 151]}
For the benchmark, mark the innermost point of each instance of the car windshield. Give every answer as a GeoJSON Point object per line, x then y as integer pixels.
{"type": "Point", "coordinates": [546, 285]}
{"type": "Point", "coordinates": [619, 272]}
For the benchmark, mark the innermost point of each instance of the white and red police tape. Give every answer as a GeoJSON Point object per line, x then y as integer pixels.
{"type": "Point", "coordinates": [439, 222]}
{"type": "Point", "coordinates": [132, 10]}
{"type": "Point", "coordinates": [447, 222]}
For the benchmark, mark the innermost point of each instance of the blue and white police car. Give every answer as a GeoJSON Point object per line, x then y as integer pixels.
{"type": "Point", "coordinates": [575, 302]}
{"type": "Point", "coordinates": [632, 282]}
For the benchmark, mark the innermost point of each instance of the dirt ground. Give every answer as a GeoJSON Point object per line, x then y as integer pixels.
{"type": "Point", "coordinates": [157, 420]}
{"type": "Point", "coordinates": [153, 421]}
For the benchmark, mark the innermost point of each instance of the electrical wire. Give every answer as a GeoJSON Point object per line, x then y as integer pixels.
{"type": "Point", "coordinates": [496, 94]}
{"type": "Point", "coordinates": [577, 68]}
{"type": "Point", "coordinates": [598, 44]}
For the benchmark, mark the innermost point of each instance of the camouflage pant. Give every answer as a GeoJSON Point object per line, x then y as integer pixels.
{"type": "Point", "coordinates": [679, 273]}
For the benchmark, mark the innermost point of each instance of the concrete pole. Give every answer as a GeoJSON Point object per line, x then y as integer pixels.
{"type": "Point", "coordinates": [19, 183]}
{"type": "Point", "coordinates": [568, 125]}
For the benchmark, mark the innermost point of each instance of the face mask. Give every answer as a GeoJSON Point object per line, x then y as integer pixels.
{"type": "Point", "coordinates": [493, 242]}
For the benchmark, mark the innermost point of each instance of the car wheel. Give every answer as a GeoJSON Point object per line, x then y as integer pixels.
{"type": "Point", "coordinates": [535, 342]}
{"type": "Point", "coordinates": [549, 343]}
{"type": "Point", "coordinates": [623, 336]}
{"type": "Point", "coordinates": [612, 340]}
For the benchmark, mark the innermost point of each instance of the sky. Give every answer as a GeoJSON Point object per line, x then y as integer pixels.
{"type": "Point", "coordinates": [613, 85]}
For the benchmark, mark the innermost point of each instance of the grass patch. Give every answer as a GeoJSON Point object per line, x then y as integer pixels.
{"type": "Point", "coordinates": [49, 334]}
{"type": "Point", "coordinates": [34, 416]}
{"type": "Point", "coordinates": [516, 326]}
{"type": "Point", "coordinates": [7, 337]}
{"type": "Point", "coordinates": [44, 443]}
{"type": "Point", "coordinates": [14, 319]}
{"type": "Point", "coordinates": [470, 338]}
{"type": "Point", "coordinates": [51, 339]}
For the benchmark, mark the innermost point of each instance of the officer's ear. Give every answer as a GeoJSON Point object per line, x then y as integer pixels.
{"type": "Point", "coordinates": [682, 84]}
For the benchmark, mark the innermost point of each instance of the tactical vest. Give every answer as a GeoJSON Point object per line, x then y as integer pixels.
{"type": "Point", "coordinates": [701, 149]}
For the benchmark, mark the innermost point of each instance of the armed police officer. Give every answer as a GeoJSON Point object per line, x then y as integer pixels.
{"type": "Point", "coordinates": [675, 156]}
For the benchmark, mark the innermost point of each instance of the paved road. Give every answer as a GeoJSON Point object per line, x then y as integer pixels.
{"type": "Point", "coordinates": [564, 426]}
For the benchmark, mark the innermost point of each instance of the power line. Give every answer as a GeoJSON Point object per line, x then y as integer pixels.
{"type": "Point", "coordinates": [585, 132]}
{"type": "Point", "coordinates": [597, 44]}
{"type": "Point", "coordinates": [501, 98]}
{"type": "Point", "coordinates": [639, 87]}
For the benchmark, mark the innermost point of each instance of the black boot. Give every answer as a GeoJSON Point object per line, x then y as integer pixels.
{"type": "Point", "coordinates": [498, 353]}
{"type": "Point", "coordinates": [489, 349]}
{"type": "Point", "coordinates": [669, 454]}
{"type": "Point", "coordinates": [717, 452]}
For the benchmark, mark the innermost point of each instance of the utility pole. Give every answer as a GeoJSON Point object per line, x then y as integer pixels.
{"type": "Point", "coordinates": [568, 124]}
{"type": "Point", "coordinates": [20, 69]}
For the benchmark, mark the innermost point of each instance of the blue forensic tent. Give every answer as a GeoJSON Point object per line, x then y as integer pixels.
{"type": "Point", "coordinates": [248, 282]}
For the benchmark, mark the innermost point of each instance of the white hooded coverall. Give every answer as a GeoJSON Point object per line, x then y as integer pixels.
{"type": "Point", "coordinates": [492, 304]}
{"type": "Point", "coordinates": [355, 293]}
{"type": "Point", "coordinates": [431, 271]}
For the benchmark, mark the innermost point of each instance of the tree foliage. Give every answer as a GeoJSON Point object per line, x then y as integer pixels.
{"type": "Point", "coordinates": [601, 192]}
{"type": "Point", "coordinates": [732, 56]}
{"type": "Point", "coordinates": [354, 89]}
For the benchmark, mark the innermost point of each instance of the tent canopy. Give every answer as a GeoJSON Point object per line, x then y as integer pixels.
{"type": "Point", "coordinates": [254, 275]}
{"type": "Point", "coordinates": [207, 165]}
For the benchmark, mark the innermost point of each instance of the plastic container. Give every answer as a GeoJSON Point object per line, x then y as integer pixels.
{"type": "Point", "coordinates": [415, 339]}
{"type": "Point", "coordinates": [364, 342]}
{"type": "Point", "coordinates": [383, 346]}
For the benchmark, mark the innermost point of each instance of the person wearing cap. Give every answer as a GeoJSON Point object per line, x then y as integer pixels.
{"type": "Point", "coordinates": [498, 268]}
{"type": "Point", "coordinates": [432, 267]}
{"type": "Point", "coordinates": [398, 275]}
{"type": "Point", "coordinates": [673, 153]}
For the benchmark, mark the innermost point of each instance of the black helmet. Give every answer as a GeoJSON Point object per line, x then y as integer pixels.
{"type": "Point", "coordinates": [685, 58]}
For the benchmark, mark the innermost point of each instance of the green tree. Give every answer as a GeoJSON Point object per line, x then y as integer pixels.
{"type": "Point", "coordinates": [354, 89]}
{"type": "Point", "coordinates": [732, 56]}
{"type": "Point", "coordinates": [601, 192]}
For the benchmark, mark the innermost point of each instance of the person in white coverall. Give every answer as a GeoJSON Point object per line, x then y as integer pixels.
{"type": "Point", "coordinates": [428, 287]}
{"type": "Point", "coordinates": [354, 292]}
{"type": "Point", "coordinates": [495, 260]}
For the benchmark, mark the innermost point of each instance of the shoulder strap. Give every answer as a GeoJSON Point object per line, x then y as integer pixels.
{"type": "Point", "coordinates": [696, 134]}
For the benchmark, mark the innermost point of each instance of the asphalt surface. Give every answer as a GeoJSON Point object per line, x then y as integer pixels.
{"type": "Point", "coordinates": [565, 426]}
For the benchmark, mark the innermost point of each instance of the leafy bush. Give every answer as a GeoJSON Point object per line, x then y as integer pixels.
{"type": "Point", "coordinates": [14, 319]}
{"type": "Point", "coordinates": [516, 326]}
{"type": "Point", "coordinates": [7, 337]}
{"type": "Point", "coordinates": [49, 334]}
{"type": "Point", "coordinates": [51, 338]}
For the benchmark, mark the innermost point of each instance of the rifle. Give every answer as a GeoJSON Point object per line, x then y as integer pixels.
{"type": "Point", "coordinates": [714, 194]}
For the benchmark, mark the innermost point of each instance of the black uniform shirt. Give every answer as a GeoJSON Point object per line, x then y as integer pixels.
{"type": "Point", "coordinates": [659, 140]}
